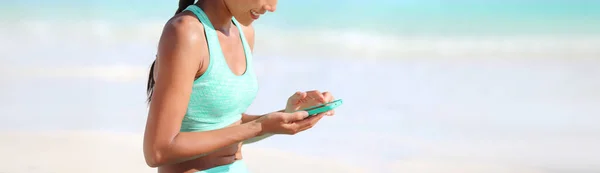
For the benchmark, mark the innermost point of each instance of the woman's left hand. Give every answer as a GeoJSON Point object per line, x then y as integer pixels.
{"type": "Point", "coordinates": [303, 100]}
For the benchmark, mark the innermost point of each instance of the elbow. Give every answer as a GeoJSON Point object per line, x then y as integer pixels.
{"type": "Point", "coordinates": [155, 158]}
{"type": "Point", "coordinates": [158, 153]}
{"type": "Point", "coordinates": [153, 162]}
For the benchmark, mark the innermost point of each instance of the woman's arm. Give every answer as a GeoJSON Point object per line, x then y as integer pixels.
{"type": "Point", "coordinates": [180, 47]}
{"type": "Point", "coordinates": [249, 118]}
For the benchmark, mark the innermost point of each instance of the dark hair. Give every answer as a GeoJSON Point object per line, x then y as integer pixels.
{"type": "Point", "coordinates": [150, 87]}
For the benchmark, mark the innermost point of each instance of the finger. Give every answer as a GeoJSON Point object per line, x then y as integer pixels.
{"type": "Point", "coordinates": [298, 97]}
{"type": "Point", "coordinates": [306, 128]}
{"type": "Point", "coordinates": [330, 113]}
{"type": "Point", "coordinates": [313, 120]}
{"type": "Point", "coordinates": [303, 125]}
{"type": "Point", "coordinates": [310, 121]}
{"type": "Point", "coordinates": [315, 94]}
{"type": "Point", "coordinates": [296, 116]}
{"type": "Point", "coordinates": [328, 96]}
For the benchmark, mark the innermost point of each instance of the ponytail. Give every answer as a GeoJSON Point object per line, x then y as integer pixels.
{"type": "Point", "coordinates": [184, 4]}
{"type": "Point", "coordinates": [150, 86]}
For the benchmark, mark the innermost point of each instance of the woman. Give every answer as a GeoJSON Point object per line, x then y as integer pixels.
{"type": "Point", "coordinates": [201, 84]}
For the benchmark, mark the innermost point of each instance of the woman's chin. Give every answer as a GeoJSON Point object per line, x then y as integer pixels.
{"type": "Point", "coordinates": [246, 21]}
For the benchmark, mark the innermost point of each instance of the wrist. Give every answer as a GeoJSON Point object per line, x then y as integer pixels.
{"type": "Point", "coordinates": [248, 118]}
{"type": "Point", "coordinates": [256, 127]}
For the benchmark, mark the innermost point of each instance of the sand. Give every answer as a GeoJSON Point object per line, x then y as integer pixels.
{"type": "Point", "coordinates": [102, 152]}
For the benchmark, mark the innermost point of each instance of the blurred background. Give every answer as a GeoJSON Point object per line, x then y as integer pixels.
{"type": "Point", "coordinates": [428, 85]}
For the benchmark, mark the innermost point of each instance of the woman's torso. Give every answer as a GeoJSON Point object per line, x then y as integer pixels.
{"type": "Point", "coordinates": [224, 90]}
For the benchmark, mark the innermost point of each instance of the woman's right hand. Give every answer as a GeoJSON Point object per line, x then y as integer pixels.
{"type": "Point", "coordinates": [287, 123]}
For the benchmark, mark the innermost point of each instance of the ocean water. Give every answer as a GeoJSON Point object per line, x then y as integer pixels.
{"type": "Point", "coordinates": [482, 86]}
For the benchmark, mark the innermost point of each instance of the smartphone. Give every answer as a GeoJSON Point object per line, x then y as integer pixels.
{"type": "Point", "coordinates": [323, 107]}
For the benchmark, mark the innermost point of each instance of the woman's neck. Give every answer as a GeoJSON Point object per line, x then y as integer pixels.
{"type": "Point", "coordinates": [218, 14]}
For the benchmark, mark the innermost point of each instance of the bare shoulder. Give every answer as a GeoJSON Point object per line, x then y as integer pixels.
{"type": "Point", "coordinates": [183, 28]}
{"type": "Point", "coordinates": [249, 33]}
{"type": "Point", "coordinates": [182, 39]}
{"type": "Point", "coordinates": [181, 51]}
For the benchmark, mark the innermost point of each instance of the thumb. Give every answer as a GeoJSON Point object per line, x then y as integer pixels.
{"type": "Point", "coordinates": [296, 116]}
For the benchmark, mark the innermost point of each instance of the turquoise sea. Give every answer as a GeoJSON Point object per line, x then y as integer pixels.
{"type": "Point", "coordinates": [353, 29]}
{"type": "Point", "coordinates": [485, 86]}
{"type": "Point", "coordinates": [396, 17]}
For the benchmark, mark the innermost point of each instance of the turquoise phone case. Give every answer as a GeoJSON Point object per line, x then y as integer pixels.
{"type": "Point", "coordinates": [323, 108]}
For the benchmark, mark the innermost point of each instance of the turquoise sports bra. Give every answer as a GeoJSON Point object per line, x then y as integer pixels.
{"type": "Point", "coordinates": [219, 97]}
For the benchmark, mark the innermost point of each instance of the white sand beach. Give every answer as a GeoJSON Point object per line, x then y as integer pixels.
{"type": "Point", "coordinates": [101, 152]}
{"type": "Point", "coordinates": [91, 152]}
